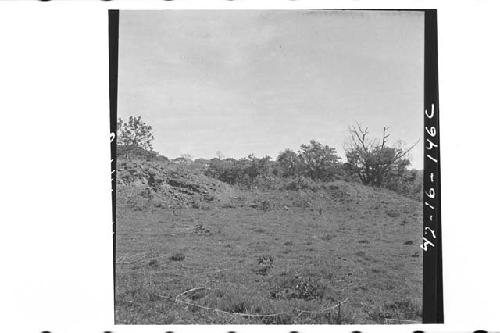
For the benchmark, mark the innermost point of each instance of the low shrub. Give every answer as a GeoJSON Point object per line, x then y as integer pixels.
{"type": "Point", "coordinates": [264, 264]}
{"type": "Point", "coordinates": [397, 312]}
{"type": "Point", "coordinates": [299, 287]}
{"type": "Point", "coordinates": [301, 183]}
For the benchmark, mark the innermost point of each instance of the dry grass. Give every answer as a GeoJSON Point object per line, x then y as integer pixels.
{"type": "Point", "coordinates": [308, 257]}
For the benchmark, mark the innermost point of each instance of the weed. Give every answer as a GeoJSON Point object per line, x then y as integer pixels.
{"type": "Point", "coordinates": [153, 263]}
{"type": "Point", "coordinates": [265, 264]}
{"type": "Point", "coordinates": [178, 257]}
{"type": "Point", "coordinates": [199, 229]}
{"type": "Point", "coordinates": [265, 260]}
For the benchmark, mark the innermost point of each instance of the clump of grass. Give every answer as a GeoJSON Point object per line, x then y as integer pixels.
{"type": "Point", "coordinates": [260, 231]}
{"type": "Point", "coordinates": [197, 294]}
{"type": "Point", "coordinates": [265, 260]}
{"type": "Point", "coordinates": [200, 229]}
{"type": "Point", "coordinates": [397, 312]}
{"type": "Point", "coordinates": [301, 183]}
{"type": "Point", "coordinates": [392, 213]}
{"type": "Point", "coordinates": [228, 205]}
{"type": "Point", "coordinates": [153, 263]}
{"type": "Point", "coordinates": [288, 243]}
{"type": "Point", "coordinates": [302, 203]}
{"type": "Point", "coordinates": [298, 286]}
{"type": "Point", "coordinates": [236, 300]}
{"type": "Point", "coordinates": [264, 264]}
{"type": "Point", "coordinates": [264, 205]}
{"type": "Point", "coordinates": [178, 257]}
{"type": "Point", "coordinates": [327, 237]}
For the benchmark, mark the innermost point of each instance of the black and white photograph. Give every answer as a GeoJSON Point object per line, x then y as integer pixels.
{"type": "Point", "coordinates": [238, 166]}
{"type": "Point", "coordinates": [269, 167]}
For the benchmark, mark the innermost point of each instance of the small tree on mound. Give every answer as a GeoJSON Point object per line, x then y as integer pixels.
{"type": "Point", "coordinates": [318, 162]}
{"type": "Point", "coordinates": [372, 160]}
{"type": "Point", "coordinates": [289, 163]}
{"type": "Point", "coordinates": [133, 134]}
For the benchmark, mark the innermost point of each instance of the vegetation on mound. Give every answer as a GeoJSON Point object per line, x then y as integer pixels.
{"type": "Point", "coordinates": [143, 184]}
{"type": "Point", "coordinates": [369, 161]}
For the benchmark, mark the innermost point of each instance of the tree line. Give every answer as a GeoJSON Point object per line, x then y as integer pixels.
{"type": "Point", "coordinates": [372, 161]}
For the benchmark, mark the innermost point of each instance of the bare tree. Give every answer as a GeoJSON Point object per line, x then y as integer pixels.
{"type": "Point", "coordinates": [373, 160]}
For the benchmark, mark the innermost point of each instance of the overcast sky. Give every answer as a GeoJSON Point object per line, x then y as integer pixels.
{"type": "Point", "coordinates": [244, 82]}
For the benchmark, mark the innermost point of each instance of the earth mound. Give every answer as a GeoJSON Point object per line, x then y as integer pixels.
{"type": "Point", "coordinates": [164, 184]}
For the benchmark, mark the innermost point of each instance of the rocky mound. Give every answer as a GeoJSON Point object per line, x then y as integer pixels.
{"type": "Point", "coordinates": [142, 183]}
{"type": "Point", "coordinates": [167, 185]}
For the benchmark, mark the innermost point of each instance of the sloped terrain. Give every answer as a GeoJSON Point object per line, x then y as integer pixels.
{"type": "Point", "coordinates": [149, 183]}
{"type": "Point", "coordinates": [191, 249]}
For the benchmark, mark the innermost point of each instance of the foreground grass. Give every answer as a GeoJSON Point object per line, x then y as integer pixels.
{"type": "Point", "coordinates": [301, 258]}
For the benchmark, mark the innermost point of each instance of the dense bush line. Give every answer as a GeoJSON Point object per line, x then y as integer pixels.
{"type": "Point", "coordinates": [310, 168]}
{"type": "Point", "coordinates": [370, 161]}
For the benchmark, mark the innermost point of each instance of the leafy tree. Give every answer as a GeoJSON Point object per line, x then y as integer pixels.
{"type": "Point", "coordinates": [372, 160]}
{"type": "Point", "coordinates": [133, 134]}
{"type": "Point", "coordinates": [227, 170]}
{"type": "Point", "coordinates": [318, 162]}
{"type": "Point", "coordinates": [246, 172]}
{"type": "Point", "coordinates": [257, 167]}
{"type": "Point", "coordinates": [289, 163]}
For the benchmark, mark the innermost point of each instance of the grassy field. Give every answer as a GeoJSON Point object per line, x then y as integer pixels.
{"type": "Point", "coordinates": [345, 254]}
